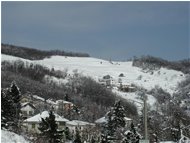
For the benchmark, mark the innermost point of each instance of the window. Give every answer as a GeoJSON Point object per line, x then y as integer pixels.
{"type": "Point", "coordinates": [24, 113]}
{"type": "Point", "coordinates": [30, 113]}
{"type": "Point", "coordinates": [61, 123]}
{"type": "Point", "coordinates": [33, 126]}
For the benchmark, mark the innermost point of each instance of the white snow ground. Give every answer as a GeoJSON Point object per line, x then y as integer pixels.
{"type": "Point", "coordinates": [97, 68]}
{"type": "Point", "coordinates": [10, 137]}
{"type": "Point", "coordinates": [165, 78]}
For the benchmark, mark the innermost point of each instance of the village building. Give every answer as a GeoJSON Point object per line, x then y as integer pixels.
{"type": "Point", "coordinates": [31, 124]}
{"type": "Point", "coordinates": [25, 98]}
{"type": "Point", "coordinates": [27, 110]}
{"type": "Point", "coordinates": [103, 120]}
{"type": "Point", "coordinates": [81, 125]}
{"type": "Point", "coordinates": [106, 80]}
{"type": "Point", "coordinates": [127, 88]}
{"type": "Point", "coordinates": [61, 104]}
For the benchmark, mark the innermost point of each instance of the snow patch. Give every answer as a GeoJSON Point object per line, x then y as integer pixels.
{"type": "Point", "coordinates": [10, 137]}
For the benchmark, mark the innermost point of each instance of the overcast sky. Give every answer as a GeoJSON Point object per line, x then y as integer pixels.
{"type": "Point", "coordinates": [116, 30]}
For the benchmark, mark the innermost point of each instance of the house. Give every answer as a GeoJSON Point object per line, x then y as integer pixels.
{"type": "Point", "coordinates": [81, 125]}
{"type": "Point", "coordinates": [27, 110]}
{"type": "Point", "coordinates": [103, 120]}
{"type": "Point", "coordinates": [60, 104]}
{"type": "Point", "coordinates": [106, 80]}
{"type": "Point", "coordinates": [32, 124]}
{"type": "Point", "coordinates": [127, 88]}
{"type": "Point", "coordinates": [34, 99]}
{"type": "Point", "coordinates": [87, 130]}
{"type": "Point", "coordinates": [25, 98]}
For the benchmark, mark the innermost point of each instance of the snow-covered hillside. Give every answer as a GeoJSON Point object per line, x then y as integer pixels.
{"type": "Point", "coordinates": [10, 137]}
{"type": "Point", "coordinates": [97, 68]}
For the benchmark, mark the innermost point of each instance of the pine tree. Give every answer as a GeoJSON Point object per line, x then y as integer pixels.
{"type": "Point", "coordinates": [93, 140]}
{"type": "Point", "coordinates": [110, 126]}
{"type": "Point", "coordinates": [118, 115]}
{"type": "Point", "coordinates": [11, 107]}
{"type": "Point", "coordinates": [131, 136]}
{"type": "Point", "coordinates": [67, 134]}
{"type": "Point", "coordinates": [15, 94]}
{"type": "Point", "coordinates": [109, 129]}
{"type": "Point", "coordinates": [49, 129]}
{"type": "Point", "coordinates": [66, 97]}
{"type": "Point", "coordinates": [104, 138]}
{"type": "Point", "coordinates": [7, 110]}
{"type": "Point", "coordinates": [115, 120]}
{"type": "Point", "coordinates": [77, 137]}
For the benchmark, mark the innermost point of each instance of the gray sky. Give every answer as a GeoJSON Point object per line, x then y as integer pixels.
{"type": "Point", "coordinates": [117, 30]}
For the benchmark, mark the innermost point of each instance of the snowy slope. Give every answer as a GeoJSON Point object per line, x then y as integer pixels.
{"type": "Point", "coordinates": [10, 137]}
{"type": "Point", "coordinates": [97, 68]}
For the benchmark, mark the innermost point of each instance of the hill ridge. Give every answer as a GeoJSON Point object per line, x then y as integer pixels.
{"type": "Point", "coordinates": [36, 54]}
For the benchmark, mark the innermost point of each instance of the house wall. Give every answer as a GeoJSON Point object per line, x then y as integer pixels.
{"type": "Point", "coordinates": [27, 111]}
{"type": "Point", "coordinates": [32, 127]}
{"type": "Point", "coordinates": [72, 128]}
{"type": "Point", "coordinates": [25, 99]}
{"type": "Point", "coordinates": [64, 106]}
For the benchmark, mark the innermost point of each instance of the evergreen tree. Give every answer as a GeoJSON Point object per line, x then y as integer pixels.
{"type": "Point", "coordinates": [49, 129]}
{"type": "Point", "coordinates": [66, 97]}
{"type": "Point", "coordinates": [7, 110]}
{"type": "Point", "coordinates": [93, 140]}
{"type": "Point", "coordinates": [109, 129]}
{"type": "Point", "coordinates": [67, 134]}
{"type": "Point", "coordinates": [11, 107]}
{"type": "Point", "coordinates": [15, 94]}
{"type": "Point", "coordinates": [115, 120]}
{"type": "Point", "coordinates": [110, 126]}
{"type": "Point", "coordinates": [77, 137]}
{"type": "Point", "coordinates": [118, 115]}
{"type": "Point", "coordinates": [104, 138]}
{"type": "Point", "coordinates": [131, 136]}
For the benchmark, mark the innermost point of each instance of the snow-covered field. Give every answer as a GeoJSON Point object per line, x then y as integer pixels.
{"type": "Point", "coordinates": [10, 137]}
{"type": "Point", "coordinates": [97, 68]}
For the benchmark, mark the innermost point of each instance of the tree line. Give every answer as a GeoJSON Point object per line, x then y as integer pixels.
{"type": "Point", "coordinates": [154, 63]}
{"type": "Point", "coordinates": [35, 54]}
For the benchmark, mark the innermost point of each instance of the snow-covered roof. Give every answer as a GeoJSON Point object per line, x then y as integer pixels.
{"type": "Point", "coordinates": [37, 97]}
{"type": "Point", "coordinates": [126, 132]}
{"type": "Point", "coordinates": [101, 120]}
{"type": "Point", "coordinates": [50, 101]}
{"type": "Point", "coordinates": [127, 119]}
{"type": "Point", "coordinates": [167, 142]}
{"type": "Point", "coordinates": [104, 120]}
{"type": "Point", "coordinates": [63, 101]}
{"type": "Point", "coordinates": [78, 123]}
{"type": "Point", "coordinates": [27, 103]}
{"type": "Point", "coordinates": [37, 118]}
{"type": "Point", "coordinates": [24, 104]}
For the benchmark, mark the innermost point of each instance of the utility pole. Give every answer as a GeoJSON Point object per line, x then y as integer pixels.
{"type": "Point", "coordinates": [145, 118]}
{"type": "Point", "coordinates": [144, 104]}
